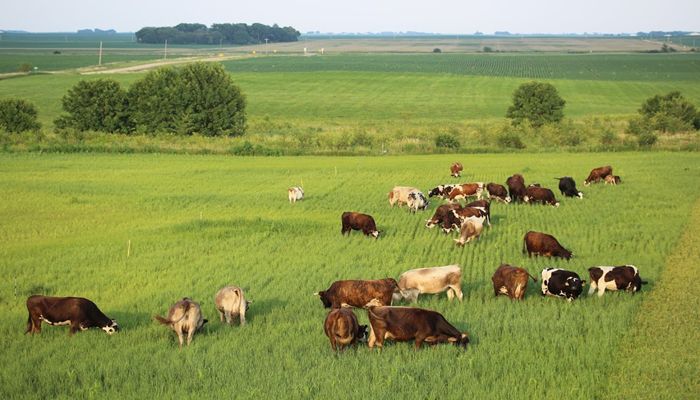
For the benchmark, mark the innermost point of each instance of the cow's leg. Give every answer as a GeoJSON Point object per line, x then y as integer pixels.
{"type": "Point", "coordinates": [227, 314]}
{"type": "Point", "coordinates": [179, 338]}
{"type": "Point", "coordinates": [334, 346]}
{"type": "Point", "coordinates": [372, 338]}
{"type": "Point", "coordinates": [241, 318]}
{"type": "Point", "coordinates": [419, 341]}
{"type": "Point", "coordinates": [221, 316]}
{"type": "Point", "coordinates": [35, 325]}
{"type": "Point", "coordinates": [450, 294]}
{"type": "Point", "coordinates": [190, 333]}
{"type": "Point", "coordinates": [74, 327]}
{"type": "Point", "coordinates": [592, 287]}
{"type": "Point", "coordinates": [601, 290]}
{"type": "Point", "coordinates": [457, 291]}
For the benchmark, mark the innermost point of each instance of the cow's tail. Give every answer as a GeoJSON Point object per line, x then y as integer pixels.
{"type": "Point", "coordinates": [524, 246]}
{"type": "Point", "coordinates": [533, 278]}
{"type": "Point", "coordinates": [162, 320]}
{"type": "Point", "coordinates": [559, 178]}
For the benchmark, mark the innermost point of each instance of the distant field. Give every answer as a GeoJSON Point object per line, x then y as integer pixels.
{"type": "Point", "coordinates": [197, 223]}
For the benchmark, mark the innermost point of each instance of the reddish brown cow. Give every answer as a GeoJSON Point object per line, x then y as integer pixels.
{"type": "Point", "coordinates": [408, 323]}
{"type": "Point", "coordinates": [516, 187]}
{"type": "Point", "coordinates": [456, 169]}
{"type": "Point", "coordinates": [497, 192]}
{"type": "Point", "coordinates": [359, 222]}
{"type": "Point", "coordinates": [483, 205]}
{"type": "Point", "coordinates": [78, 312]}
{"type": "Point", "coordinates": [357, 293]}
{"type": "Point", "coordinates": [466, 190]}
{"type": "Point", "coordinates": [542, 244]}
{"type": "Point", "coordinates": [536, 194]}
{"type": "Point", "coordinates": [444, 216]}
{"type": "Point", "coordinates": [342, 328]}
{"type": "Point", "coordinates": [511, 281]}
{"type": "Point", "coordinates": [597, 174]}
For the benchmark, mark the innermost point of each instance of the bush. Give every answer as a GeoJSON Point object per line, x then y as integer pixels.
{"type": "Point", "coordinates": [98, 105]}
{"type": "Point", "coordinates": [446, 141]}
{"type": "Point", "coordinates": [510, 140]}
{"type": "Point", "coordinates": [199, 98]}
{"type": "Point", "coordinates": [537, 102]}
{"type": "Point", "coordinates": [17, 115]}
{"type": "Point", "coordinates": [647, 139]}
{"type": "Point", "coordinates": [437, 50]}
{"type": "Point", "coordinates": [488, 49]}
{"type": "Point", "coordinates": [670, 113]}
{"type": "Point", "coordinates": [25, 67]}
{"type": "Point", "coordinates": [608, 138]}
{"type": "Point", "coordinates": [637, 126]}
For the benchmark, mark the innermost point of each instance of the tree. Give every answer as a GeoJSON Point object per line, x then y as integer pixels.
{"type": "Point", "coordinates": [669, 113]}
{"type": "Point", "coordinates": [538, 102]}
{"type": "Point", "coordinates": [18, 115]}
{"type": "Point", "coordinates": [98, 105]}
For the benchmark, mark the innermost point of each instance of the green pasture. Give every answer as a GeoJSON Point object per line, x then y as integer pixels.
{"type": "Point", "coordinates": [197, 223]}
{"type": "Point", "coordinates": [47, 61]}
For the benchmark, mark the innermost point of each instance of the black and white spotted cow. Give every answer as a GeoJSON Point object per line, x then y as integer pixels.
{"type": "Point", "coordinates": [561, 283]}
{"type": "Point", "coordinates": [625, 277]}
{"type": "Point", "coordinates": [441, 191]}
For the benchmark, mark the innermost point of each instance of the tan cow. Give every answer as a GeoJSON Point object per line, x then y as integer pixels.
{"type": "Point", "coordinates": [184, 317]}
{"type": "Point", "coordinates": [399, 194]}
{"type": "Point", "coordinates": [471, 229]}
{"type": "Point", "coordinates": [431, 281]}
{"type": "Point", "coordinates": [231, 304]}
{"type": "Point", "coordinates": [295, 193]}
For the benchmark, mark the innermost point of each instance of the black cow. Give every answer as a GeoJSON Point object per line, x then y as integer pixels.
{"type": "Point", "coordinates": [567, 187]}
{"type": "Point", "coordinates": [561, 283]}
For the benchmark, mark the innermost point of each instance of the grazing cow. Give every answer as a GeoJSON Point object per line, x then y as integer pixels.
{"type": "Point", "coordinates": [516, 187]}
{"type": "Point", "coordinates": [342, 328]}
{"type": "Point", "coordinates": [542, 244]}
{"type": "Point", "coordinates": [357, 293]}
{"type": "Point", "coordinates": [441, 191]}
{"type": "Point", "coordinates": [483, 205]}
{"type": "Point", "coordinates": [612, 180]}
{"type": "Point", "coordinates": [470, 229]}
{"type": "Point", "coordinates": [431, 281]}
{"type": "Point", "coordinates": [567, 187]}
{"type": "Point", "coordinates": [498, 192]}
{"type": "Point", "coordinates": [456, 169]}
{"type": "Point", "coordinates": [511, 281]}
{"type": "Point", "coordinates": [399, 194]}
{"type": "Point", "coordinates": [295, 193]}
{"type": "Point", "coordinates": [625, 277]}
{"type": "Point", "coordinates": [185, 318]}
{"type": "Point", "coordinates": [561, 283]}
{"type": "Point", "coordinates": [417, 201]}
{"type": "Point", "coordinates": [597, 174]}
{"type": "Point", "coordinates": [409, 323]}
{"type": "Point", "coordinates": [81, 314]}
{"type": "Point", "coordinates": [445, 217]}
{"type": "Point", "coordinates": [462, 215]}
{"type": "Point", "coordinates": [231, 304]}
{"type": "Point", "coordinates": [359, 222]}
{"type": "Point", "coordinates": [466, 190]}
{"type": "Point", "coordinates": [536, 194]}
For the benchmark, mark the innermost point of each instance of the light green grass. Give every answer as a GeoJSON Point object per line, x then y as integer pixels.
{"type": "Point", "coordinates": [197, 223]}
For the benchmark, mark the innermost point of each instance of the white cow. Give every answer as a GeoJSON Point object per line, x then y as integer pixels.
{"type": "Point", "coordinates": [231, 304]}
{"type": "Point", "coordinates": [399, 194]}
{"type": "Point", "coordinates": [431, 280]}
{"type": "Point", "coordinates": [295, 193]}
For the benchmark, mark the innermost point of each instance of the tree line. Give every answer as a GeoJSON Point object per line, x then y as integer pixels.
{"type": "Point", "coordinates": [218, 33]}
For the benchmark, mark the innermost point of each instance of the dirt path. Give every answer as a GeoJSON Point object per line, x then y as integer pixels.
{"type": "Point", "coordinates": [157, 64]}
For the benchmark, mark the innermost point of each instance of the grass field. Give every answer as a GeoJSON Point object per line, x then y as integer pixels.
{"type": "Point", "coordinates": [197, 223]}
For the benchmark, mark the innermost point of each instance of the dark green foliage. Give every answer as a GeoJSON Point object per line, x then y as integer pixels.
{"type": "Point", "coordinates": [197, 99]}
{"type": "Point", "coordinates": [487, 49]}
{"type": "Point", "coordinates": [218, 33]}
{"type": "Point", "coordinates": [446, 141]}
{"type": "Point", "coordinates": [18, 115]}
{"type": "Point", "coordinates": [647, 139]}
{"type": "Point", "coordinates": [538, 102]}
{"type": "Point", "coordinates": [510, 140]}
{"type": "Point", "coordinates": [99, 105]}
{"type": "Point", "coordinates": [437, 50]}
{"type": "Point", "coordinates": [670, 113]}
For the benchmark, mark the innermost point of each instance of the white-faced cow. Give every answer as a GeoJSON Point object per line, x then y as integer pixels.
{"type": "Point", "coordinates": [542, 244]}
{"type": "Point", "coordinates": [511, 281]}
{"type": "Point", "coordinates": [567, 187]}
{"type": "Point", "coordinates": [358, 222]}
{"type": "Point", "coordinates": [399, 195]}
{"type": "Point", "coordinates": [516, 187]}
{"type": "Point", "coordinates": [598, 174]}
{"type": "Point", "coordinates": [231, 304]}
{"type": "Point", "coordinates": [411, 324]}
{"type": "Point", "coordinates": [536, 194]}
{"type": "Point", "coordinates": [431, 281]}
{"type": "Point", "coordinates": [456, 169]}
{"type": "Point", "coordinates": [185, 318]}
{"type": "Point", "coordinates": [295, 193]}
{"type": "Point", "coordinates": [80, 313]}
{"type": "Point", "coordinates": [466, 190]}
{"type": "Point", "coordinates": [417, 201]}
{"type": "Point", "coordinates": [342, 328]}
{"type": "Point", "coordinates": [357, 293]}
{"type": "Point", "coordinates": [561, 283]}
{"type": "Point", "coordinates": [625, 277]}
{"type": "Point", "coordinates": [497, 192]}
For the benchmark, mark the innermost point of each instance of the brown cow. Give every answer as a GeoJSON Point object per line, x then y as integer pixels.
{"type": "Point", "coordinates": [516, 187]}
{"type": "Point", "coordinates": [536, 194]}
{"type": "Point", "coordinates": [184, 317]}
{"type": "Point", "coordinates": [409, 323]}
{"type": "Point", "coordinates": [470, 229]}
{"type": "Point", "coordinates": [357, 293]}
{"type": "Point", "coordinates": [511, 281]}
{"type": "Point", "coordinates": [78, 312]}
{"type": "Point", "coordinates": [483, 205]}
{"type": "Point", "coordinates": [612, 180]}
{"type": "Point", "coordinates": [542, 244]}
{"type": "Point", "coordinates": [497, 192]}
{"type": "Point", "coordinates": [456, 169]}
{"type": "Point", "coordinates": [444, 216]}
{"type": "Point", "coordinates": [625, 277]}
{"type": "Point", "coordinates": [466, 190]}
{"type": "Point", "coordinates": [342, 328]}
{"type": "Point", "coordinates": [359, 222]}
{"type": "Point", "coordinates": [597, 174]}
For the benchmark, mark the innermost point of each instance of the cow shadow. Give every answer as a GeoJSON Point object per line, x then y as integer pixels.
{"type": "Point", "coordinates": [128, 320]}
{"type": "Point", "coordinates": [258, 310]}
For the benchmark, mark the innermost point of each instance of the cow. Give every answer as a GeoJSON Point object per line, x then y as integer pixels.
{"type": "Point", "coordinates": [409, 323]}
{"type": "Point", "coordinates": [466, 190]}
{"type": "Point", "coordinates": [483, 205]}
{"type": "Point", "coordinates": [441, 191]}
{"type": "Point", "coordinates": [445, 217]}
{"type": "Point", "coordinates": [470, 229]}
{"type": "Point", "coordinates": [597, 174]}
{"type": "Point", "coordinates": [497, 192]}
{"type": "Point", "coordinates": [295, 193]}
{"type": "Point", "coordinates": [357, 293]}
{"type": "Point", "coordinates": [359, 222]}
{"type": "Point", "coordinates": [456, 169]}
{"type": "Point", "coordinates": [231, 304]}
{"type": "Point", "coordinates": [567, 187]}
{"type": "Point", "coordinates": [542, 244]}
{"type": "Point", "coordinates": [342, 328]}
{"type": "Point", "coordinates": [185, 318]}
{"type": "Point", "coordinates": [511, 281]}
{"type": "Point", "coordinates": [516, 187]}
{"type": "Point", "coordinates": [536, 194]}
{"type": "Point", "coordinates": [399, 195]}
{"type": "Point", "coordinates": [80, 313]}
{"type": "Point", "coordinates": [612, 180]}
{"type": "Point", "coordinates": [625, 277]}
{"type": "Point", "coordinates": [417, 201]}
{"type": "Point", "coordinates": [561, 283]}
{"type": "Point", "coordinates": [431, 281]}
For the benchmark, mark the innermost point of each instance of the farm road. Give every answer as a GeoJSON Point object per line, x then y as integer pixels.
{"type": "Point", "coordinates": [157, 64]}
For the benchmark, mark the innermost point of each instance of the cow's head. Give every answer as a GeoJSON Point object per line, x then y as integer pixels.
{"type": "Point", "coordinates": [362, 333]}
{"type": "Point", "coordinates": [436, 191]}
{"type": "Point", "coordinates": [579, 195]}
{"type": "Point", "coordinates": [430, 223]}
{"type": "Point", "coordinates": [574, 287]}
{"type": "Point", "coordinates": [507, 199]}
{"type": "Point", "coordinates": [461, 341]}
{"type": "Point", "coordinates": [556, 204]}
{"type": "Point", "coordinates": [375, 302]}
{"type": "Point", "coordinates": [324, 299]}
{"type": "Point", "coordinates": [375, 234]}
{"type": "Point", "coordinates": [111, 328]}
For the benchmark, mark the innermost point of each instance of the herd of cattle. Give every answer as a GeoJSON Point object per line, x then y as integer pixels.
{"type": "Point", "coordinates": [377, 296]}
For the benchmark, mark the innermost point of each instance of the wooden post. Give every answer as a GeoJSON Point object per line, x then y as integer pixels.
{"type": "Point", "coordinates": [165, 52]}
{"type": "Point", "coordinates": [99, 60]}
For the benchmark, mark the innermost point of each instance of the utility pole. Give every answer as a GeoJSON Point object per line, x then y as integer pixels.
{"type": "Point", "coordinates": [266, 39]}
{"type": "Point", "coordinates": [165, 52]}
{"type": "Point", "coordinates": [99, 60]}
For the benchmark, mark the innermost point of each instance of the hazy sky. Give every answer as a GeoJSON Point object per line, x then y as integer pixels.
{"type": "Point", "coordinates": [440, 16]}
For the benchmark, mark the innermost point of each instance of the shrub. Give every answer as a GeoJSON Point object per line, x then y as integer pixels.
{"type": "Point", "coordinates": [488, 49]}
{"type": "Point", "coordinates": [608, 138]}
{"type": "Point", "coordinates": [18, 115]}
{"type": "Point", "coordinates": [98, 105]}
{"type": "Point", "coordinates": [637, 126]}
{"type": "Point", "coordinates": [437, 50]}
{"type": "Point", "coordinates": [362, 139]}
{"type": "Point", "coordinates": [510, 140]}
{"type": "Point", "coordinates": [669, 113]}
{"type": "Point", "coordinates": [446, 141]}
{"type": "Point", "coordinates": [647, 139]}
{"type": "Point", "coordinates": [537, 102]}
{"type": "Point", "coordinates": [25, 67]}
